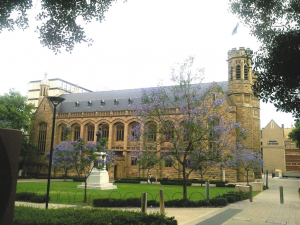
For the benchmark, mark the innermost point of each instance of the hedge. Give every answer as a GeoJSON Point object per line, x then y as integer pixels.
{"type": "Point", "coordinates": [222, 200]}
{"type": "Point", "coordinates": [31, 197]}
{"type": "Point", "coordinates": [83, 216]}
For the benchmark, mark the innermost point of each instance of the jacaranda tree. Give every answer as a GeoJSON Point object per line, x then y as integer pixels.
{"type": "Point", "coordinates": [81, 156]}
{"type": "Point", "coordinates": [188, 123]}
{"type": "Point", "coordinates": [245, 160]}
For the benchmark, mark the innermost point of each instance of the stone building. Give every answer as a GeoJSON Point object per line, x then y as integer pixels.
{"type": "Point", "coordinates": [113, 110]}
{"type": "Point", "coordinates": [292, 153]}
{"type": "Point", "coordinates": [272, 147]}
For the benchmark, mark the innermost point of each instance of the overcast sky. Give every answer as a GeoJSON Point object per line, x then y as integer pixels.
{"type": "Point", "coordinates": [134, 47]}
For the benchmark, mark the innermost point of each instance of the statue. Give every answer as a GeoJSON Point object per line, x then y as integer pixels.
{"type": "Point", "coordinates": [99, 134]}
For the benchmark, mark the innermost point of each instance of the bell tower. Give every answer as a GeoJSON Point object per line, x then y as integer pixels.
{"type": "Point", "coordinates": [240, 81]}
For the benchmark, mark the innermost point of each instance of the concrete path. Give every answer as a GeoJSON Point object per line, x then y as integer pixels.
{"type": "Point", "coordinates": [265, 208]}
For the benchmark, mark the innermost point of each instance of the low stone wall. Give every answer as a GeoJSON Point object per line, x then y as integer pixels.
{"type": "Point", "coordinates": [203, 185]}
{"type": "Point", "coordinates": [242, 188]}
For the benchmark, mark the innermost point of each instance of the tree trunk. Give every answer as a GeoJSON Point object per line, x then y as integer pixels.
{"type": "Point", "coordinates": [66, 172]}
{"type": "Point", "coordinates": [201, 177]}
{"type": "Point", "coordinates": [85, 189]}
{"type": "Point", "coordinates": [184, 182]}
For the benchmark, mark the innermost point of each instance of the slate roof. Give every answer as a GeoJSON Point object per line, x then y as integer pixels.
{"type": "Point", "coordinates": [109, 96]}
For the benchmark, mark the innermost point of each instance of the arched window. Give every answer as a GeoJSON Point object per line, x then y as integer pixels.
{"type": "Point", "coordinates": [105, 131]}
{"type": "Point", "coordinates": [76, 133]}
{"type": "Point", "coordinates": [91, 131]}
{"type": "Point", "coordinates": [169, 131]}
{"type": "Point", "coordinates": [42, 137]}
{"type": "Point", "coordinates": [62, 134]}
{"type": "Point", "coordinates": [120, 133]}
{"type": "Point", "coordinates": [231, 73]}
{"type": "Point", "coordinates": [238, 72]}
{"type": "Point", "coordinates": [152, 132]}
{"type": "Point", "coordinates": [246, 72]}
{"type": "Point", "coordinates": [134, 128]}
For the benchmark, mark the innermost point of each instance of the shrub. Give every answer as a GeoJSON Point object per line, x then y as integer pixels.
{"type": "Point", "coordinates": [39, 199]}
{"type": "Point", "coordinates": [230, 198]}
{"type": "Point", "coordinates": [24, 196]}
{"type": "Point", "coordinates": [134, 202]}
{"type": "Point", "coordinates": [127, 181]}
{"type": "Point", "coordinates": [218, 201]}
{"type": "Point", "coordinates": [220, 184]}
{"type": "Point", "coordinates": [230, 185]}
{"type": "Point", "coordinates": [265, 188]}
{"type": "Point", "coordinates": [35, 216]}
{"type": "Point", "coordinates": [203, 203]}
{"type": "Point", "coordinates": [79, 179]}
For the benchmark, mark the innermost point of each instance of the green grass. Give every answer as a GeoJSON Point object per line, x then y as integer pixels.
{"type": "Point", "coordinates": [68, 193]}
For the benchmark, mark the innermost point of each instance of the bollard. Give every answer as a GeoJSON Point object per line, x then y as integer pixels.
{"type": "Point", "coordinates": [267, 176]}
{"type": "Point", "coordinates": [161, 202]}
{"type": "Point", "coordinates": [144, 202]}
{"type": "Point", "coordinates": [281, 195]}
{"type": "Point", "coordinates": [223, 175]}
{"type": "Point", "coordinates": [207, 189]}
{"type": "Point", "coordinates": [251, 193]}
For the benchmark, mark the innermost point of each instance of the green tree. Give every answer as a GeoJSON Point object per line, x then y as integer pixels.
{"type": "Point", "coordinates": [294, 135]}
{"type": "Point", "coordinates": [15, 113]}
{"type": "Point", "coordinates": [275, 24]}
{"type": "Point", "coordinates": [59, 27]}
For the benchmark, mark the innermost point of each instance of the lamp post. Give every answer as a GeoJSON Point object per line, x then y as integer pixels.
{"type": "Point", "coordinates": [55, 101]}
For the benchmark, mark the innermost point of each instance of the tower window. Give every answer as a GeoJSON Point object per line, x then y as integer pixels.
{"type": "Point", "coordinates": [238, 72]}
{"type": "Point", "coordinates": [42, 137]}
{"type": "Point", "coordinates": [231, 73]}
{"type": "Point", "coordinates": [246, 72]}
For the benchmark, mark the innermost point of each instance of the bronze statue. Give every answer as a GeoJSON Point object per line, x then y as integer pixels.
{"type": "Point", "coordinates": [99, 134]}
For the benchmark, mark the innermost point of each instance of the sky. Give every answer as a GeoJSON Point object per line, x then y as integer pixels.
{"type": "Point", "coordinates": [135, 46]}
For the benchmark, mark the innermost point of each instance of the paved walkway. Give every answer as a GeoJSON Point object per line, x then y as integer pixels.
{"type": "Point", "coordinates": [265, 208]}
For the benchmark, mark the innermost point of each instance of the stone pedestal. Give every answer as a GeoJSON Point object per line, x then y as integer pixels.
{"type": "Point", "coordinates": [257, 186]}
{"type": "Point", "coordinates": [99, 178]}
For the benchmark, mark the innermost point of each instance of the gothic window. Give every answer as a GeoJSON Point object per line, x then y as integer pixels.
{"type": "Point", "coordinates": [246, 72]}
{"type": "Point", "coordinates": [231, 73]}
{"type": "Point", "coordinates": [152, 132]}
{"type": "Point", "coordinates": [133, 161]}
{"type": "Point", "coordinates": [238, 72]}
{"type": "Point", "coordinates": [76, 133]}
{"type": "Point", "coordinates": [168, 163]}
{"type": "Point", "coordinates": [42, 137]}
{"type": "Point", "coordinates": [169, 132]}
{"type": "Point", "coordinates": [91, 131]}
{"type": "Point", "coordinates": [120, 133]}
{"type": "Point", "coordinates": [62, 134]}
{"type": "Point", "coordinates": [212, 145]}
{"type": "Point", "coordinates": [105, 131]}
{"type": "Point", "coordinates": [134, 128]}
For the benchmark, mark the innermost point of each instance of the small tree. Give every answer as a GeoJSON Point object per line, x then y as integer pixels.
{"type": "Point", "coordinates": [80, 156]}
{"type": "Point", "coordinates": [193, 122]}
{"type": "Point", "coordinates": [246, 160]}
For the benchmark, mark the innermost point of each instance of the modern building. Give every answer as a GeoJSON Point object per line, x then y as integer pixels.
{"type": "Point", "coordinates": [113, 110]}
{"type": "Point", "coordinates": [53, 87]}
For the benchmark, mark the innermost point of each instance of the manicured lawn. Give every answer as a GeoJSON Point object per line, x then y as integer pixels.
{"type": "Point", "coordinates": [68, 193]}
